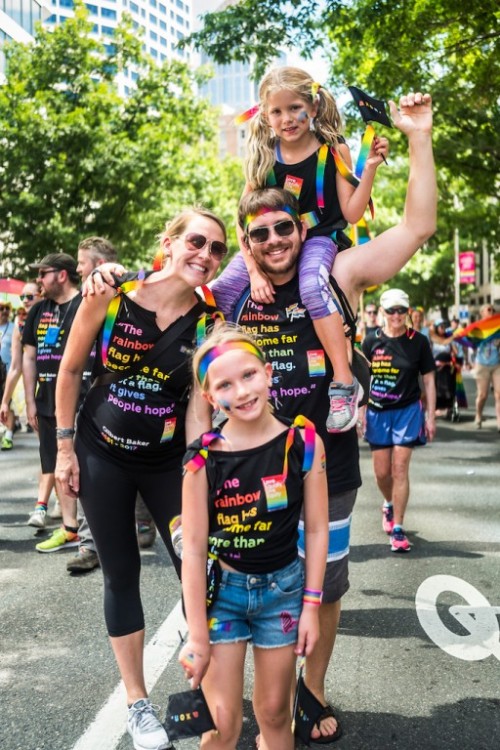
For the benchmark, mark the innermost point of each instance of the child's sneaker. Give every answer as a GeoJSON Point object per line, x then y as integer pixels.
{"type": "Point", "coordinates": [399, 540]}
{"type": "Point", "coordinates": [344, 408]}
{"type": "Point", "coordinates": [387, 518]}
{"type": "Point", "coordinates": [145, 728]}
{"type": "Point", "coordinates": [60, 539]}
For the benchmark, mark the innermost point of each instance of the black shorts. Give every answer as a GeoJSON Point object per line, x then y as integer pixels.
{"type": "Point", "coordinates": [48, 443]}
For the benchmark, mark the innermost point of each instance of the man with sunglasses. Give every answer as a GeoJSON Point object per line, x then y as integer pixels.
{"type": "Point", "coordinates": [301, 373]}
{"type": "Point", "coordinates": [44, 339]}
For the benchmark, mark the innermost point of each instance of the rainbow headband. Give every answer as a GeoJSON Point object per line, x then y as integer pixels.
{"type": "Point", "coordinates": [266, 210]}
{"type": "Point", "coordinates": [212, 354]}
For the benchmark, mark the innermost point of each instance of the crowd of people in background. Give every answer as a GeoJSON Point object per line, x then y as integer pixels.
{"type": "Point", "coordinates": [108, 388]}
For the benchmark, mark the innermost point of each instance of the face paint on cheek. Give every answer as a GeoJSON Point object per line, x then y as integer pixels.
{"type": "Point", "coordinates": [224, 405]}
{"type": "Point", "coordinates": [303, 116]}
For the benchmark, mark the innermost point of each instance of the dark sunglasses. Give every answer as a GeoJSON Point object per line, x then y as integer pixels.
{"type": "Point", "coordinates": [43, 274]}
{"type": "Point", "coordinates": [371, 312]}
{"type": "Point", "coordinates": [28, 297]}
{"type": "Point", "coordinates": [196, 241]}
{"type": "Point", "coordinates": [4, 307]}
{"type": "Point", "coordinates": [261, 234]}
{"type": "Point", "coordinates": [396, 311]}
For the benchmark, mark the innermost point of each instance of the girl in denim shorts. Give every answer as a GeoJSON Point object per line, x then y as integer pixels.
{"type": "Point", "coordinates": [244, 488]}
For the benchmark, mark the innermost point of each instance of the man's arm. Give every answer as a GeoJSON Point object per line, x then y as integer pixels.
{"type": "Point", "coordinates": [29, 379]}
{"type": "Point", "coordinates": [378, 260]}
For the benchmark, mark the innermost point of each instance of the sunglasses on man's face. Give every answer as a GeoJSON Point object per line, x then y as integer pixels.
{"type": "Point", "coordinates": [261, 234]}
{"type": "Point", "coordinates": [43, 274]}
{"type": "Point", "coordinates": [371, 312]}
{"type": "Point", "coordinates": [396, 311]}
{"type": "Point", "coordinates": [3, 308]}
{"type": "Point", "coordinates": [195, 242]}
{"type": "Point", "coordinates": [27, 297]}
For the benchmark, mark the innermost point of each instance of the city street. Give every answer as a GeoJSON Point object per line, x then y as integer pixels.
{"type": "Point", "coordinates": [417, 660]}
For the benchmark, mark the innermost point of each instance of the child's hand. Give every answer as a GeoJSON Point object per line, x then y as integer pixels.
{"type": "Point", "coordinates": [378, 151]}
{"type": "Point", "coordinates": [308, 634]}
{"type": "Point", "coordinates": [414, 114]}
{"type": "Point", "coordinates": [101, 278]}
{"type": "Point", "coordinates": [195, 659]}
{"type": "Point", "coordinates": [262, 289]}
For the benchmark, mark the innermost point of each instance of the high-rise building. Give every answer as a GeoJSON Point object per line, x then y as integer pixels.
{"type": "Point", "coordinates": [161, 22]}
{"type": "Point", "coordinates": [17, 21]}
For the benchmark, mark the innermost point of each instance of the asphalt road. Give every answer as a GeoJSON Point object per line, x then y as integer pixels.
{"type": "Point", "coordinates": [417, 660]}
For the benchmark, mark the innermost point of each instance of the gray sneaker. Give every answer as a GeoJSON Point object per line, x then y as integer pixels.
{"type": "Point", "coordinates": [85, 560]}
{"type": "Point", "coordinates": [344, 407]}
{"type": "Point", "coordinates": [145, 728]}
{"type": "Point", "coordinates": [38, 518]}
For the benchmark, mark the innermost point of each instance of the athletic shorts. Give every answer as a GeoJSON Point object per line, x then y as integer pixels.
{"type": "Point", "coordinates": [488, 373]}
{"type": "Point", "coordinates": [340, 508]}
{"type": "Point", "coordinates": [263, 608]}
{"type": "Point", "coordinates": [404, 426]}
{"type": "Point", "coordinates": [48, 443]}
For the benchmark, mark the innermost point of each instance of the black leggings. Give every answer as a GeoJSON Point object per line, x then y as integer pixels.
{"type": "Point", "coordinates": [108, 494]}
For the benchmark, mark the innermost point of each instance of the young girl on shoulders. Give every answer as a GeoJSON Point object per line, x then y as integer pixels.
{"type": "Point", "coordinates": [295, 143]}
{"type": "Point", "coordinates": [244, 488]}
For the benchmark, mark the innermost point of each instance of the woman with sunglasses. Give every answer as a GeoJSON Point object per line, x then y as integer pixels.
{"type": "Point", "coordinates": [133, 427]}
{"type": "Point", "coordinates": [29, 295]}
{"type": "Point", "coordinates": [395, 418]}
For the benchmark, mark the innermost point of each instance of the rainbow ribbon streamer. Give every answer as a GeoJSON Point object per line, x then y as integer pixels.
{"type": "Point", "coordinates": [199, 460]}
{"type": "Point", "coordinates": [351, 178]}
{"type": "Point", "coordinates": [359, 232]}
{"type": "Point", "coordinates": [366, 144]}
{"type": "Point", "coordinates": [245, 116]}
{"type": "Point", "coordinates": [159, 259]}
{"type": "Point", "coordinates": [320, 176]}
{"type": "Point", "coordinates": [309, 440]}
{"type": "Point", "coordinates": [479, 332]}
{"type": "Point", "coordinates": [112, 312]}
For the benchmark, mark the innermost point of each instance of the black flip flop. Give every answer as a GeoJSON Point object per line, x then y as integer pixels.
{"type": "Point", "coordinates": [327, 739]}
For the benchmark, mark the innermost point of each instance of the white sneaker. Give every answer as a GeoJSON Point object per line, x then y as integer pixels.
{"type": "Point", "coordinates": [145, 728]}
{"type": "Point", "coordinates": [38, 518]}
{"type": "Point", "coordinates": [56, 510]}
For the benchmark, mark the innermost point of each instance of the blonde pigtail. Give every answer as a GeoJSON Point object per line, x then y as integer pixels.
{"type": "Point", "coordinates": [327, 123]}
{"type": "Point", "coordinates": [260, 152]}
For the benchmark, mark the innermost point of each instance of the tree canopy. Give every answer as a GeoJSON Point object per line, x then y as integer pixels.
{"type": "Point", "coordinates": [79, 159]}
{"type": "Point", "coordinates": [389, 47]}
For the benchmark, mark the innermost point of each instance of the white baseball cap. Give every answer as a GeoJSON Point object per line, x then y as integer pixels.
{"type": "Point", "coordinates": [394, 298]}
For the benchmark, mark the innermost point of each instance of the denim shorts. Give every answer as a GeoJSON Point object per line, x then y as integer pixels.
{"type": "Point", "coordinates": [263, 608]}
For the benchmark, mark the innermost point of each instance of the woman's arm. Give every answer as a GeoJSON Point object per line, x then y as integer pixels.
{"type": "Point", "coordinates": [316, 544]}
{"type": "Point", "coordinates": [198, 415]}
{"type": "Point", "coordinates": [195, 655]}
{"type": "Point", "coordinates": [14, 373]}
{"type": "Point", "coordinates": [429, 380]}
{"type": "Point", "coordinates": [83, 333]}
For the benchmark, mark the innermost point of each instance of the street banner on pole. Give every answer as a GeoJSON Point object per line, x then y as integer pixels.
{"type": "Point", "coordinates": [467, 266]}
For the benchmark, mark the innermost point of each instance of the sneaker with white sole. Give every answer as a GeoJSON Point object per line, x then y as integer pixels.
{"type": "Point", "coordinates": [145, 728]}
{"type": "Point", "coordinates": [344, 409]}
{"type": "Point", "coordinates": [399, 540]}
{"type": "Point", "coordinates": [387, 518]}
{"type": "Point", "coordinates": [56, 511]}
{"type": "Point", "coordinates": [60, 539]}
{"type": "Point", "coordinates": [38, 518]}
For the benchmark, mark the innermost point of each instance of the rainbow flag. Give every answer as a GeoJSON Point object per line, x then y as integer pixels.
{"type": "Point", "coordinates": [359, 233]}
{"type": "Point", "coordinates": [478, 332]}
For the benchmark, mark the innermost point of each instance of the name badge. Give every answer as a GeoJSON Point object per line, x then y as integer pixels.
{"type": "Point", "coordinates": [275, 490]}
{"type": "Point", "coordinates": [52, 335]}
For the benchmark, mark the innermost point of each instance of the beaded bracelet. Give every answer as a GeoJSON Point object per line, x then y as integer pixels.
{"type": "Point", "coordinates": [312, 596]}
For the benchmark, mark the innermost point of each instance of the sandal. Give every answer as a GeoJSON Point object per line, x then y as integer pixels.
{"type": "Point", "coordinates": [326, 739]}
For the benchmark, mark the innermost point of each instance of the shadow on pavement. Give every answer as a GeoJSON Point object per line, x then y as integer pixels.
{"type": "Point", "coordinates": [421, 548]}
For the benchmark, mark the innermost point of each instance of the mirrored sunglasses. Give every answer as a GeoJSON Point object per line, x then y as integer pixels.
{"type": "Point", "coordinates": [282, 229]}
{"type": "Point", "coordinates": [396, 311]}
{"type": "Point", "coordinates": [196, 241]}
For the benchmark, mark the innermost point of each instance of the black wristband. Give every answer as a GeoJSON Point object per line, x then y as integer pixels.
{"type": "Point", "coordinates": [62, 433]}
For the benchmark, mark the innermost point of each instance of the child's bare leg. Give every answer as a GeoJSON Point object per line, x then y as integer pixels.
{"type": "Point", "coordinates": [223, 689]}
{"type": "Point", "coordinates": [274, 674]}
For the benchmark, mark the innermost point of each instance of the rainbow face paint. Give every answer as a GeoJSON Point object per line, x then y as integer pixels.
{"type": "Point", "coordinates": [225, 405]}
{"type": "Point", "coordinates": [302, 116]}
{"type": "Point", "coordinates": [265, 210]}
{"type": "Point", "coordinates": [229, 346]}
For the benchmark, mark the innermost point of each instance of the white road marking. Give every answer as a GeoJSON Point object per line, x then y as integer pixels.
{"type": "Point", "coordinates": [477, 617]}
{"type": "Point", "coordinates": [109, 725]}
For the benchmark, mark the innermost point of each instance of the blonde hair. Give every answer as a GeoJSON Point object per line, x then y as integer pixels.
{"type": "Point", "coordinates": [176, 226]}
{"type": "Point", "coordinates": [261, 140]}
{"type": "Point", "coordinates": [227, 333]}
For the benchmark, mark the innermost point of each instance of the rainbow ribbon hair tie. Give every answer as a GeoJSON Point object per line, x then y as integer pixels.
{"type": "Point", "coordinates": [199, 459]}
{"type": "Point", "coordinates": [267, 210]}
{"type": "Point", "coordinates": [216, 351]}
{"type": "Point", "coordinates": [309, 440]}
{"type": "Point", "coordinates": [246, 116]}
